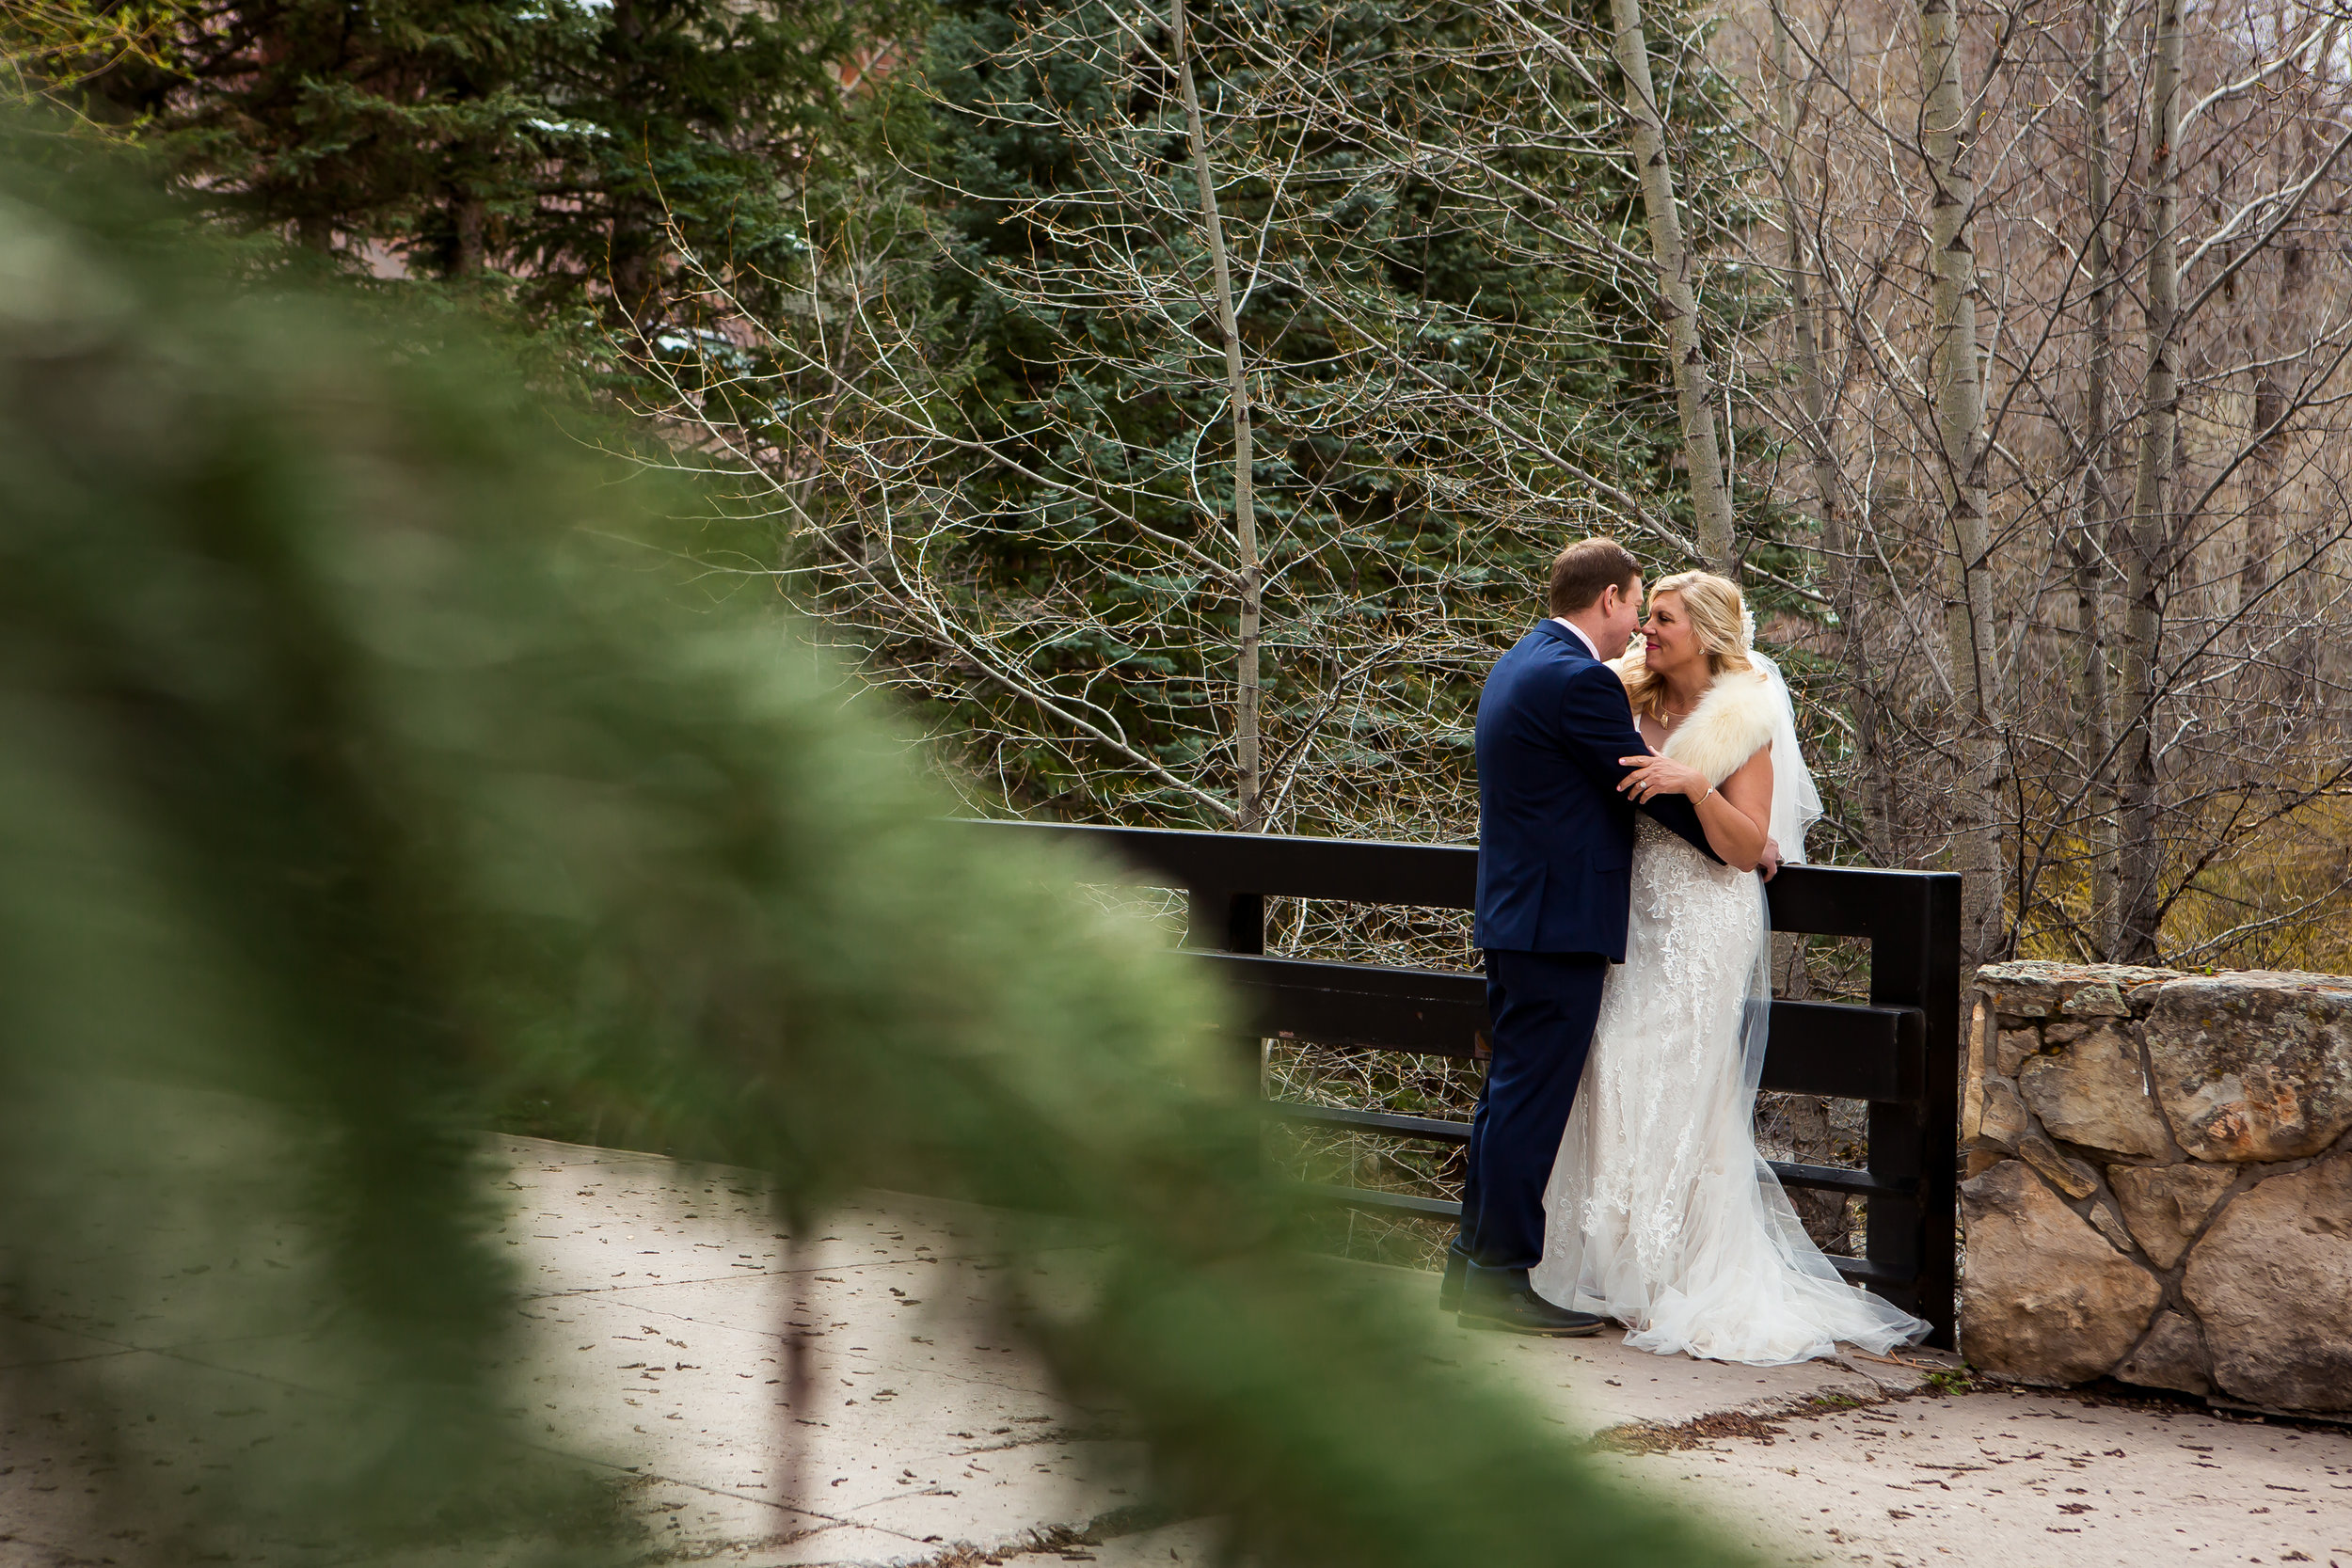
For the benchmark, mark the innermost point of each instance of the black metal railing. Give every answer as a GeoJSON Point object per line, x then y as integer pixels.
{"type": "Point", "coordinates": [1899, 1051]}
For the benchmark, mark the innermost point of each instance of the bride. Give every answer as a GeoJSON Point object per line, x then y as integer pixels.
{"type": "Point", "coordinates": [1660, 1212]}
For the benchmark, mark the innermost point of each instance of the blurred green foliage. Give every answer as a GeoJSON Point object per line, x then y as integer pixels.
{"type": "Point", "coordinates": [367, 761]}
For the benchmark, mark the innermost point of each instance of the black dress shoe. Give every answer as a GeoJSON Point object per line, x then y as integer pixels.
{"type": "Point", "coordinates": [1525, 1312]}
{"type": "Point", "coordinates": [1450, 1282]}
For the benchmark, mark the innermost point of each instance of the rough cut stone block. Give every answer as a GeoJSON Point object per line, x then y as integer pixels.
{"type": "Point", "coordinates": [2026, 989]}
{"type": "Point", "coordinates": [2272, 1279]}
{"type": "Point", "coordinates": [2067, 1174]}
{"type": "Point", "coordinates": [2045, 1298]}
{"type": "Point", "coordinates": [2035, 988]}
{"type": "Point", "coordinates": [2166, 1204]}
{"type": "Point", "coordinates": [1973, 1072]}
{"type": "Point", "coordinates": [2103, 1220]}
{"type": "Point", "coordinates": [2173, 1356]}
{"type": "Point", "coordinates": [2017, 1047]}
{"type": "Point", "coordinates": [2003, 1119]}
{"type": "Point", "coordinates": [2256, 1065]}
{"type": "Point", "coordinates": [2093, 1093]}
{"type": "Point", "coordinates": [2103, 999]}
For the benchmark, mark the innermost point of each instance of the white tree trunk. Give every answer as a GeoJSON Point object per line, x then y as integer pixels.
{"type": "Point", "coordinates": [1249, 783]}
{"type": "Point", "coordinates": [1837, 543]}
{"type": "Point", "coordinates": [1959, 393]}
{"type": "Point", "coordinates": [1678, 299]}
{"type": "Point", "coordinates": [2087, 544]}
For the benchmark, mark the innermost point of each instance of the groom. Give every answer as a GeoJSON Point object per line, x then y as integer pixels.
{"type": "Point", "coordinates": [1555, 849]}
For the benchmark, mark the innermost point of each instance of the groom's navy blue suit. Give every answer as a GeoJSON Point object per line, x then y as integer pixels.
{"type": "Point", "coordinates": [1555, 854]}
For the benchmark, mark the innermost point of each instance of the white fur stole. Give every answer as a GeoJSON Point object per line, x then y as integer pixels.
{"type": "Point", "coordinates": [1732, 723]}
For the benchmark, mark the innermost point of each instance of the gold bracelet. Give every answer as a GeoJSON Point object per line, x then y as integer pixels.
{"type": "Point", "coordinates": [1702, 799]}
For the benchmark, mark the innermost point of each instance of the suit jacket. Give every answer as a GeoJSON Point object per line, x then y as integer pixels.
{"type": "Point", "coordinates": [1555, 839]}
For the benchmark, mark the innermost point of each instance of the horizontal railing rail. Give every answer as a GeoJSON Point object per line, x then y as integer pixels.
{"type": "Point", "coordinates": [1899, 1052]}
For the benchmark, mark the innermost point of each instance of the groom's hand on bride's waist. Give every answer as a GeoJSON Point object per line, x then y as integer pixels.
{"type": "Point", "coordinates": [1768, 864]}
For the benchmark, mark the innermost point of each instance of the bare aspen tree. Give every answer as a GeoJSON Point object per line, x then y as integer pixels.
{"type": "Point", "coordinates": [1802, 326]}
{"type": "Point", "coordinates": [1841, 567]}
{"type": "Point", "coordinates": [1678, 299]}
{"type": "Point", "coordinates": [2235, 688]}
{"type": "Point", "coordinates": [1946, 142]}
{"type": "Point", "coordinates": [1806, 1120]}
{"type": "Point", "coordinates": [2088, 540]}
{"type": "Point", "coordinates": [2148, 559]}
{"type": "Point", "coordinates": [1247, 583]}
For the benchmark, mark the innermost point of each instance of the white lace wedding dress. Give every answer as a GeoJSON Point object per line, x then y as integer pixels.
{"type": "Point", "coordinates": [1660, 1212]}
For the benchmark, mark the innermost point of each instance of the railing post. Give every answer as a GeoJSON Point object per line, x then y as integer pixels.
{"type": "Point", "coordinates": [1218, 920]}
{"type": "Point", "coordinates": [1917, 1145]}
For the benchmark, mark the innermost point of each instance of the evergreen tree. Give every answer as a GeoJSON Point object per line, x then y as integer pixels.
{"type": "Point", "coordinates": [390, 132]}
{"type": "Point", "coordinates": [568, 147]}
{"type": "Point", "coordinates": [685, 122]}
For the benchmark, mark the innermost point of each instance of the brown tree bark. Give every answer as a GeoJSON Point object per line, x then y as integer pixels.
{"type": "Point", "coordinates": [469, 221]}
{"type": "Point", "coordinates": [2087, 544]}
{"type": "Point", "coordinates": [2148, 559]}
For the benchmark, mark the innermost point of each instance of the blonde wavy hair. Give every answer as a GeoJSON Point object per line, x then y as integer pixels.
{"type": "Point", "coordinates": [1716, 614]}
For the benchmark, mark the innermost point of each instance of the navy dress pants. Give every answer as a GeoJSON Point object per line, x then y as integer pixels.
{"type": "Point", "coordinates": [1542, 1007]}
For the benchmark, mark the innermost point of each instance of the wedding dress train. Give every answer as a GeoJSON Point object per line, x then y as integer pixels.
{"type": "Point", "coordinates": [1660, 1212]}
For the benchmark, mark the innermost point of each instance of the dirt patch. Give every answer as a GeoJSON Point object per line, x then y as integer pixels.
{"type": "Point", "coordinates": [1757, 1425]}
{"type": "Point", "coordinates": [1651, 1437]}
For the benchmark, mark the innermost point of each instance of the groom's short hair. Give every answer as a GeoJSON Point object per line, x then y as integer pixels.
{"type": "Point", "coordinates": [1587, 567]}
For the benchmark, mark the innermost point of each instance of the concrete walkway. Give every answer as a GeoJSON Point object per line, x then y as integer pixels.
{"type": "Point", "coordinates": [654, 1353]}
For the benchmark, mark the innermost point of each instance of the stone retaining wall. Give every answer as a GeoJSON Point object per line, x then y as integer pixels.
{"type": "Point", "coordinates": [2159, 1181]}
